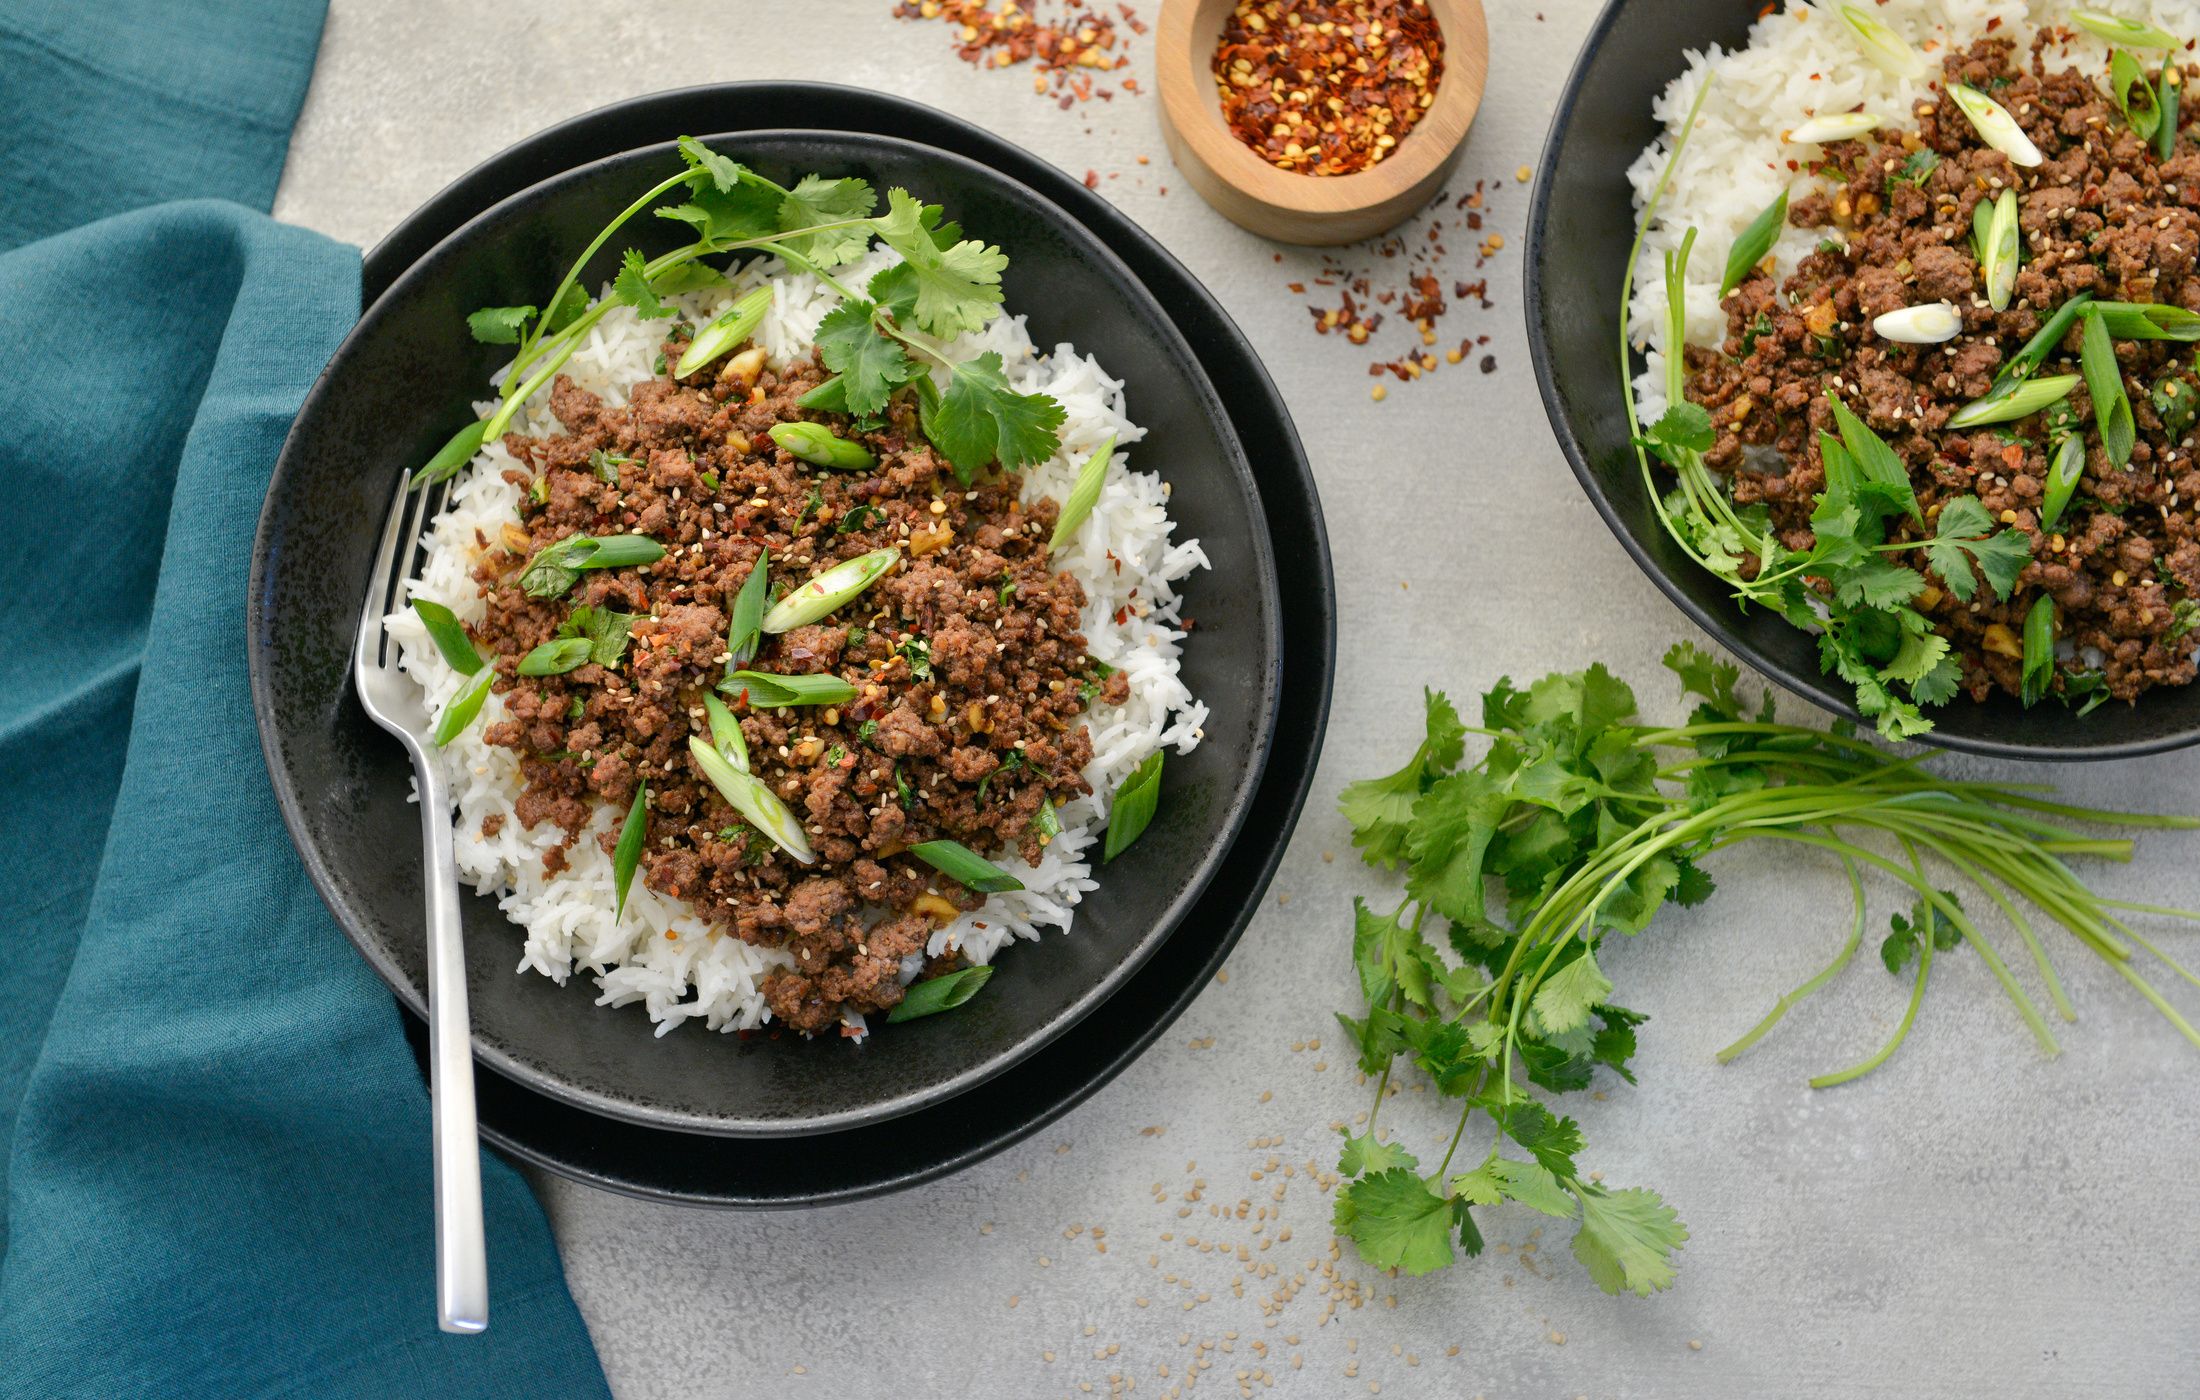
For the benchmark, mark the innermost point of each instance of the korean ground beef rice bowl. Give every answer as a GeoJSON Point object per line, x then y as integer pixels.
{"type": "Point", "coordinates": [1931, 265]}
{"type": "Point", "coordinates": [996, 685]}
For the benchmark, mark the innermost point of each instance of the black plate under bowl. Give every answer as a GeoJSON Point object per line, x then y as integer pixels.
{"type": "Point", "coordinates": [656, 1164]}
{"type": "Point", "coordinates": [1580, 224]}
{"type": "Point", "coordinates": [398, 386]}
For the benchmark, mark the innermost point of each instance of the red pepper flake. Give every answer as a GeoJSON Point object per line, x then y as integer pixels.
{"type": "Point", "coordinates": [1092, 179]}
{"type": "Point", "coordinates": [1406, 272]}
{"type": "Point", "coordinates": [1327, 87]}
{"type": "Point", "coordinates": [1070, 42]}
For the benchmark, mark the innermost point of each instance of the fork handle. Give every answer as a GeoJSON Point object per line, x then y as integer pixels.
{"type": "Point", "coordinates": [461, 1257]}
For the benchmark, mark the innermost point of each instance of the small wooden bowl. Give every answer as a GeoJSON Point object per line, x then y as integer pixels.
{"type": "Point", "coordinates": [1318, 209]}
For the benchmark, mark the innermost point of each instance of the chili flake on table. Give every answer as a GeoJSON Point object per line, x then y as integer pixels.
{"type": "Point", "coordinates": [1327, 87]}
{"type": "Point", "coordinates": [1076, 45]}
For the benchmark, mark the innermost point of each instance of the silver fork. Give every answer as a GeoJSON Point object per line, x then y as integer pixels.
{"type": "Point", "coordinates": [393, 701]}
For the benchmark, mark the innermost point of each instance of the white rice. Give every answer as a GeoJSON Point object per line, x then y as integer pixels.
{"type": "Point", "coordinates": [662, 954]}
{"type": "Point", "coordinates": [1802, 60]}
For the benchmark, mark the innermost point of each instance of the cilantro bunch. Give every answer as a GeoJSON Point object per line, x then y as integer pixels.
{"type": "Point", "coordinates": [891, 340]}
{"type": "Point", "coordinates": [1579, 822]}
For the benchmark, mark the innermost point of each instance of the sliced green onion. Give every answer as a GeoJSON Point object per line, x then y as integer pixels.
{"type": "Point", "coordinates": [557, 567]}
{"type": "Point", "coordinates": [743, 633]}
{"type": "Point", "coordinates": [556, 658]}
{"type": "Point", "coordinates": [1982, 228]}
{"type": "Point", "coordinates": [752, 800]}
{"type": "Point", "coordinates": [2165, 101]}
{"type": "Point", "coordinates": [463, 707]}
{"type": "Point", "coordinates": [1995, 126]}
{"type": "Point", "coordinates": [2003, 252]}
{"type": "Point", "coordinates": [1887, 50]}
{"type": "Point", "coordinates": [1134, 806]}
{"type": "Point", "coordinates": [829, 590]}
{"type": "Point", "coordinates": [2063, 477]}
{"type": "Point", "coordinates": [2043, 342]}
{"type": "Point", "coordinates": [1931, 324]}
{"type": "Point", "coordinates": [628, 854]}
{"type": "Point", "coordinates": [1086, 494]}
{"type": "Point", "coordinates": [1047, 822]}
{"type": "Point", "coordinates": [821, 447]}
{"type": "Point", "coordinates": [965, 866]}
{"type": "Point", "coordinates": [725, 732]}
{"type": "Point", "coordinates": [943, 993]}
{"type": "Point", "coordinates": [770, 691]}
{"type": "Point", "coordinates": [2125, 77]}
{"type": "Point", "coordinates": [2039, 650]}
{"type": "Point", "coordinates": [737, 324]}
{"type": "Point", "coordinates": [2019, 399]}
{"type": "Point", "coordinates": [449, 636]}
{"type": "Point", "coordinates": [1753, 243]}
{"type": "Point", "coordinates": [454, 454]}
{"type": "Point", "coordinates": [2147, 320]}
{"type": "Point", "coordinates": [2118, 30]}
{"type": "Point", "coordinates": [2104, 380]}
{"type": "Point", "coordinates": [1840, 126]}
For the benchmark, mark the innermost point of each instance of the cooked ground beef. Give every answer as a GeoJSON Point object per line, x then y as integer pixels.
{"type": "Point", "coordinates": [970, 671]}
{"type": "Point", "coordinates": [2100, 215]}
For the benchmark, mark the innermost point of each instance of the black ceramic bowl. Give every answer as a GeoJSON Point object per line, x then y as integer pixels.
{"type": "Point", "coordinates": [396, 388]}
{"type": "Point", "coordinates": [1580, 225]}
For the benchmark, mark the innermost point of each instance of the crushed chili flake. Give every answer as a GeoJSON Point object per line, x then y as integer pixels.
{"type": "Point", "coordinates": [1076, 45]}
{"type": "Point", "coordinates": [1401, 278]}
{"type": "Point", "coordinates": [1327, 87]}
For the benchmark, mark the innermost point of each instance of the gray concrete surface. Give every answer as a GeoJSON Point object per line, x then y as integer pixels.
{"type": "Point", "coordinates": [1974, 1220]}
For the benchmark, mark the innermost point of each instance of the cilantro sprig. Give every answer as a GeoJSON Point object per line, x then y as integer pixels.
{"type": "Point", "coordinates": [1494, 974]}
{"type": "Point", "coordinates": [893, 339]}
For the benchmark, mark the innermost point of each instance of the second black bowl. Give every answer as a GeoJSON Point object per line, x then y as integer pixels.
{"type": "Point", "coordinates": [396, 388]}
{"type": "Point", "coordinates": [1580, 224]}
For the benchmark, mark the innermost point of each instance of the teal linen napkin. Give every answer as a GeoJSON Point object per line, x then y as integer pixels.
{"type": "Point", "coordinates": [214, 1146]}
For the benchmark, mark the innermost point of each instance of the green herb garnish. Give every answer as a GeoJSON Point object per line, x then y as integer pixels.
{"type": "Point", "coordinates": [2039, 650]}
{"type": "Point", "coordinates": [628, 854]}
{"type": "Point", "coordinates": [859, 518]}
{"type": "Point", "coordinates": [557, 567]}
{"type": "Point", "coordinates": [556, 658]}
{"type": "Point", "coordinates": [918, 653]}
{"type": "Point", "coordinates": [1965, 533]}
{"type": "Point", "coordinates": [965, 866]}
{"type": "Point", "coordinates": [606, 465]}
{"type": "Point", "coordinates": [1751, 245]}
{"type": "Point", "coordinates": [942, 993]}
{"type": "Point", "coordinates": [725, 732]}
{"type": "Point", "coordinates": [728, 331]}
{"type": "Point", "coordinates": [1083, 496]}
{"type": "Point", "coordinates": [752, 799]}
{"type": "Point", "coordinates": [744, 630]}
{"type": "Point", "coordinates": [820, 446]}
{"type": "Point", "coordinates": [771, 691]}
{"type": "Point", "coordinates": [605, 631]}
{"type": "Point", "coordinates": [829, 590]}
{"type": "Point", "coordinates": [2063, 476]}
{"type": "Point", "coordinates": [2104, 381]}
{"type": "Point", "coordinates": [1133, 809]}
{"type": "Point", "coordinates": [463, 707]}
{"type": "Point", "coordinates": [449, 636]}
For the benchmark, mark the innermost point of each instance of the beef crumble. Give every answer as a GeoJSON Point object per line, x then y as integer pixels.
{"type": "Point", "coordinates": [970, 672]}
{"type": "Point", "coordinates": [2102, 215]}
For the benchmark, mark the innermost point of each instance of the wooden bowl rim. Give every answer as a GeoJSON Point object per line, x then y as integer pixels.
{"type": "Point", "coordinates": [1183, 65]}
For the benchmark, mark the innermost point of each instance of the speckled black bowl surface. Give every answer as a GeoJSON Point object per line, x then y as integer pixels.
{"type": "Point", "coordinates": [1580, 224]}
{"type": "Point", "coordinates": [402, 382]}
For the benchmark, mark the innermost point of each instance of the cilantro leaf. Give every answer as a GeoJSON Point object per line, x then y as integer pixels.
{"type": "Point", "coordinates": [1684, 426]}
{"type": "Point", "coordinates": [499, 325]}
{"type": "Point", "coordinates": [1390, 957]}
{"type": "Point", "coordinates": [1567, 996]}
{"type": "Point", "coordinates": [1962, 534]}
{"type": "Point", "coordinates": [1627, 1239]}
{"type": "Point", "coordinates": [979, 420]}
{"type": "Point", "coordinates": [1552, 1140]}
{"type": "Point", "coordinates": [605, 629]}
{"type": "Point", "coordinates": [867, 366]}
{"type": "Point", "coordinates": [956, 288]}
{"type": "Point", "coordinates": [632, 288]}
{"type": "Point", "coordinates": [1532, 1185]}
{"type": "Point", "coordinates": [725, 174]}
{"type": "Point", "coordinates": [816, 200]}
{"type": "Point", "coordinates": [1364, 1154]}
{"type": "Point", "coordinates": [1396, 1221]}
{"type": "Point", "coordinates": [1381, 809]}
{"type": "Point", "coordinates": [1453, 823]}
{"type": "Point", "coordinates": [1878, 582]}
